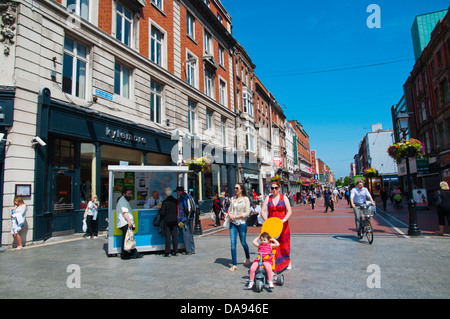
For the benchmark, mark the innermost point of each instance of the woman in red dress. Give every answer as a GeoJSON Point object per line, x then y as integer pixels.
{"type": "Point", "coordinates": [277, 205]}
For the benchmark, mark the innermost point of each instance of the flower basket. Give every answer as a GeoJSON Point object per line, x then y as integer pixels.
{"type": "Point", "coordinates": [410, 148]}
{"type": "Point", "coordinates": [198, 164]}
{"type": "Point", "coordinates": [370, 172]}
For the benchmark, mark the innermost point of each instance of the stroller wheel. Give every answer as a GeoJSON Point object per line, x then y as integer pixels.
{"type": "Point", "coordinates": [280, 280]}
{"type": "Point", "coordinates": [258, 285]}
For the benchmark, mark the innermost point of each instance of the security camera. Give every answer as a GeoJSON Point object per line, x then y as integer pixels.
{"type": "Point", "coordinates": [38, 140]}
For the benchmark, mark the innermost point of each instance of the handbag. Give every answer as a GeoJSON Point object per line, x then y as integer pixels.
{"type": "Point", "coordinates": [157, 219]}
{"type": "Point", "coordinates": [130, 241]}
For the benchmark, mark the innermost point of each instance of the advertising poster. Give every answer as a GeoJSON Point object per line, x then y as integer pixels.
{"type": "Point", "coordinates": [420, 197]}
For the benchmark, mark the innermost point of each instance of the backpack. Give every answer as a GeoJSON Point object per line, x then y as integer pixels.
{"type": "Point", "coordinates": [191, 207]}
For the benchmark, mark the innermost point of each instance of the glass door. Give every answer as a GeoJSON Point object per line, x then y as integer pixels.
{"type": "Point", "coordinates": [63, 201]}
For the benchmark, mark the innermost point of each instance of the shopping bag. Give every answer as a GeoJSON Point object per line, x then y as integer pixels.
{"type": "Point", "coordinates": [130, 241]}
{"type": "Point", "coordinates": [226, 223]}
{"type": "Point", "coordinates": [84, 225]}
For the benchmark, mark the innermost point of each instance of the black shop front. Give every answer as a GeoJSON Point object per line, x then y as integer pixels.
{"type": "Point", "coordinates": [81, 143]}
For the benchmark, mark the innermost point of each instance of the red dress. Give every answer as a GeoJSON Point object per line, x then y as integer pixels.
{"type": "Point", "coordinates": [283, 254]}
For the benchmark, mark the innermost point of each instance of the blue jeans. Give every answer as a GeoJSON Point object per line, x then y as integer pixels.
{"type": "Point", "coordinates": [242, 230]}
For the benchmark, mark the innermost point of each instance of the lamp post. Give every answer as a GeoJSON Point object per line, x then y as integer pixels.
{"type": "Point", "coordinates": [413, 229]}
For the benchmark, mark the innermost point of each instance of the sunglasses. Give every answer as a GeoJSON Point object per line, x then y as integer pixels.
{"type": "Point", "coordinates": [272, 188]}
{"type": "Point", "coordinates": [236, 188]}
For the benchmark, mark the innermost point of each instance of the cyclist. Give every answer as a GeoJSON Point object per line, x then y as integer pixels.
{"type": "Point", "coordinates": [358, 196]}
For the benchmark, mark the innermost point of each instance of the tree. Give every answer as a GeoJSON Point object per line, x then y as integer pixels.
{"type": "Point", "coordinates": [346, 181]}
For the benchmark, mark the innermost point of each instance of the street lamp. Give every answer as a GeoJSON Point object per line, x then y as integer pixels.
{"type": "Point", "coordinates": [413, 229]}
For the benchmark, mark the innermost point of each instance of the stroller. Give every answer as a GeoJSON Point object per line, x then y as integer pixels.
{"type": "Point", "coordinates": [398, 201]}
{"type": "Point", "coordinates": [273, 226]}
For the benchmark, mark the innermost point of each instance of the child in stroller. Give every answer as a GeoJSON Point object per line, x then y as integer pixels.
{"type": "Point", "coordinates": [398, 201]}
{"type": "Point", "coordinates": [266, 245]}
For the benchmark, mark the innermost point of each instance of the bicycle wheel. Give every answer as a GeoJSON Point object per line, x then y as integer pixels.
{"type": "Point", "coordinates": [369, 231]}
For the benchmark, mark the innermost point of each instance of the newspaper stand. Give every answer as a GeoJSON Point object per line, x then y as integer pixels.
{"type": "Point", "coordinates": [142, 180]}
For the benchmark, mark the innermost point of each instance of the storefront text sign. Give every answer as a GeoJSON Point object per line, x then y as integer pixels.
{"type": "Point", "coordinates": [119, 135]}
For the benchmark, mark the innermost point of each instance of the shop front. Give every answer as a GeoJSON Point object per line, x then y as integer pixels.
{"type": "Point", "coordinates": [7, 95]}
{"type": "Point", "coordinates": [81, 144]}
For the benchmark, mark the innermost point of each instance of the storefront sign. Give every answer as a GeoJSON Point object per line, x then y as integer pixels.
{"type": "Point", "coordinates": [119, 135]}
{"type": "Point", "coordinates": [251, 176]}
{"type": "Point", "coordinates": [278, 161]}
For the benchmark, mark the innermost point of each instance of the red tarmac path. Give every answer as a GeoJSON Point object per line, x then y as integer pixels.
{"type": "Point", "coordinates": [305, 221]}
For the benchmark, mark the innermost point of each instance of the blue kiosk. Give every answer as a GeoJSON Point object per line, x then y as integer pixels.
{"type": "Point", "coordinates": [143, 181]}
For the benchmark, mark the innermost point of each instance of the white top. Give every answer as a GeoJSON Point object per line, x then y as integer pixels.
{"type": "Point", "coordinates": [123, 206]}
{"type": "Point", "coordinates": [359, 196]}
{"type": "Point", "coordinates": [151, 202]}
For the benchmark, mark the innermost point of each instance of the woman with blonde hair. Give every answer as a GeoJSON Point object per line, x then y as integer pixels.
{"type": "Point", "coordinates": [18, 219]}
{"type": "Point", "coordinates": [90, 214]}
{"type": "Point", "coordinates": [442, 198]}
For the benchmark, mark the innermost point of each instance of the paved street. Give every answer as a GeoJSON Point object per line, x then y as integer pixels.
{"type": "Point", "coordinates": [328, 262]}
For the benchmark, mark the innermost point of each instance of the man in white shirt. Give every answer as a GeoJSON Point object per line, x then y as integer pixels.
{"type": "Point", "coordinates": [153, 201]}
{"type": "Point", "coordinates": [125, 220]}
{"type": "Point", "coordinates": [358, 196]}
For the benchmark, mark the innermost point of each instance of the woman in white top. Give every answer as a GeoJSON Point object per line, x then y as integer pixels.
{"type": "Point", "coordinates": [18, 219]}
{"type": "Point", "coordinates": [238, 213]}
{"type": "Point", "coordinates": [90, 214]}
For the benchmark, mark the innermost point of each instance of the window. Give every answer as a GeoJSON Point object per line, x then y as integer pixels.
{"type": "Point", "coordinates": [208, 84]}
{"type": "Point", "coordinates": [208, 43]}
{"type": "Point", "coordinates": [423, 111]}
{"type": "Point", "coordinates": [223, 93]}
{"type": "Point", "coordinates": [248, 104]}
{"type": "Point", "coordinates": [74, 68]}
{"type": "Point", "coordinates": [441, 134]}
{"type": "Point", "coordinates": [158, 3]}
{"type": "Point", "coordinates": [224, 131]}
{"type": "Point", "coordinates": [250, 139]}
{"type": "Point", "coordinates": [124, 24]}
{"type": "Point", "coordinates": [155, 102]}
{"type": "Point", "coordinates": [191, 117]}
{"type": "Point", "coordinates": [122, 80]}
{"type": "Point", "coordinates": [221, 56]}
{"type": "Point", "coordinates": [190, 26]}
{"type": "Point", "coordinates": [156, 48]}
{"type": "Point", "coordinates": [209, 119]}
{"type": "Point", "coordinates": [191, 70]}
{"type": "Point", "coordinates": [438, 101]}
{"type": "Point", "coordinates": [79, 7]}
{"type": "Point", "coordinates": [445, 91]}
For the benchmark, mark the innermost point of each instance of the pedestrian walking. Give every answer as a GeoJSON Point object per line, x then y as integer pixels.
{"type": "Point", "coordinates": [442, 200]}
{"type": "Point", "coordinates": [217, 208]}
{"type": "Point", "coordinates": [384, 197]}
{"type": "Point", "coordinates": [186, 215]}
{"type": "Point", "coordinates": [238, 214]}
{"type": "Point", "coordinates": [312, 199]}
{"type": "Point", "coordinates": [125, 221]}
{"type": "Point", "coordinates": [168, 213]}
{"type": "Point", "coordinates": [18, 220]}
{"type": "Point", "coordinates": [277, 205]}
{"type": "Point", "coordinates": [328, 201]}
{"type": "Point", "coordinates": [90, 214]}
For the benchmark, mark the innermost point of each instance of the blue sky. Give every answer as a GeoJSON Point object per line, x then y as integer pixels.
{"type": "Point", "coordinates": [296, 44]}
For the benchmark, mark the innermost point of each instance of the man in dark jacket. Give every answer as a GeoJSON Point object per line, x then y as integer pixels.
{"type": "Point", "coordinates": [169, 215]}
{"type": "Point", "coordinates": [328, 201]}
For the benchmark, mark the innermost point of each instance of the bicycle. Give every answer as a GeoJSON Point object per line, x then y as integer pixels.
{"type": "Point", "coordinates": [365, 226]}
